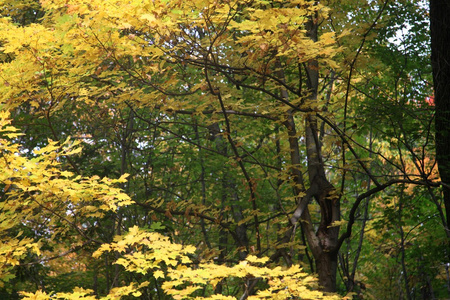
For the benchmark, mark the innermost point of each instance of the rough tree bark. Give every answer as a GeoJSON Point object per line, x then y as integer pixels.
{"type": "Point", "coordinates": [440, 59]}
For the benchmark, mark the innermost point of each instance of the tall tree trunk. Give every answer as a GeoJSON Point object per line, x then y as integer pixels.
{"type": "Point", "coordinates": [323, 242]}
{"type": "Point", "coordinates": [440, 58]}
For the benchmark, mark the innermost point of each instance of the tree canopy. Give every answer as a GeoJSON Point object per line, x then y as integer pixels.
{"type": "Point", "coordinates": [220, 149]}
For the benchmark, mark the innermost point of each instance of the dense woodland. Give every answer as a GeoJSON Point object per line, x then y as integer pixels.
{"type": "Point", "coordinates": [224, 149]}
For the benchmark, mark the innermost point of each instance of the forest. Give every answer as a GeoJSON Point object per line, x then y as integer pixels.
{"type": "Point", "coordinates": [224, 149]}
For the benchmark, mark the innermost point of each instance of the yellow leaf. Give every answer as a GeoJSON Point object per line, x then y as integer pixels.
{"type": "Point", "coordinates": [158, 274]}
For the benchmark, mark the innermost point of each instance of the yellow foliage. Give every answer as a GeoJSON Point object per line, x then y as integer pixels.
{"type": "Point", "coordinates": [78, 293]}
{"type": "Point", "coordinates": [80, 38]}
{"type": "Point", "coordinates": [144, 252]}
{"type": "Point", "coordinates": [38, 192]}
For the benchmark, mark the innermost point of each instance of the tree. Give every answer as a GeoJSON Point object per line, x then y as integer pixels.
{"type": "Point", "coordinates": [441, 72]}
{"type": "Point", "coordinates": [50, 202]}
{"type": "Point", "coordinates": [247, 128]}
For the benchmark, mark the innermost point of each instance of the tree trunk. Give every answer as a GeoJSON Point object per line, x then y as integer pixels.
{"type": "Point", "coordinates": [326, 265]}
{"type": "Point", "coordinates": [440, 58]}
{"type": "Point", "coordinates": [323, 242]}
